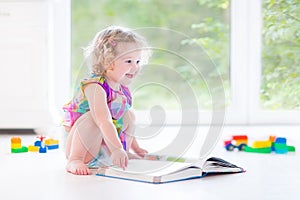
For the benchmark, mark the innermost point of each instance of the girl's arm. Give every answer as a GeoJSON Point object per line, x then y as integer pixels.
{"type": "Point", "coordinates": [96, 97]}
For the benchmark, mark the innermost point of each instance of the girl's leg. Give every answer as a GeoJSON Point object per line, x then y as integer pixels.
{"type": "Point", "coordinates": [83, 144]}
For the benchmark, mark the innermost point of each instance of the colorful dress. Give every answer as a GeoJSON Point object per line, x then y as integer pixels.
{"type": "Point", "coordinates": [118, 103]}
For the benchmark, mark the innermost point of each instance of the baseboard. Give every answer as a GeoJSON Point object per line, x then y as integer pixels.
{"type": "Point", "coordinates": [17, 131]}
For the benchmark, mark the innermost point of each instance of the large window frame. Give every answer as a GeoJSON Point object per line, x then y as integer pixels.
{"type": "Point", "coordinates": [59, 72]}
{"type": "Point", "coordinates": [245, 71]}
{"type": "Point", "coordinates": [246, 65]}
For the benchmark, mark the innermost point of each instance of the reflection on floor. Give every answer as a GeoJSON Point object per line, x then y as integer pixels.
{"type": "Point", "coordinates": [34, 175]}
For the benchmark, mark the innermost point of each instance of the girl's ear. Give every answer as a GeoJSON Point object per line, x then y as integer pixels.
{"type": "Point", "coordinates": [109, 69]}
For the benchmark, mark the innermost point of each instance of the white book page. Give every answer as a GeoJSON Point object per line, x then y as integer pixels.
{"type": "Point", "coordinates": [153, 168]}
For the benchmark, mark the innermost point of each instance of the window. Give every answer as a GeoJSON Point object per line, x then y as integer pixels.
{"type": "Point", "coordinates": [280, 55]}
{"type": "Point", "coordinates": [237, 56]}
{"type": "Point", "coordinates": [189, 69]}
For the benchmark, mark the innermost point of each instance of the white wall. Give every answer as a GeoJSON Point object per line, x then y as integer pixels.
{"type": "Point", "coordinates": [34, 62]}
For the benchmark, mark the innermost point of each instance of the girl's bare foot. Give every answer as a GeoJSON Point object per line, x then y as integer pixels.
{"type": "Point", "coordinates": [77, 167]}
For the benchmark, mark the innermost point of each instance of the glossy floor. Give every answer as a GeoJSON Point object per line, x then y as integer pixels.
{"type": "Point", "coordinates": [269, 176]}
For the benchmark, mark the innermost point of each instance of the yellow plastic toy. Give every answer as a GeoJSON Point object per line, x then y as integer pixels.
{"type": "Point", "coordinates": [261, 144]}
{"type": "Point", "coordinates": [32, 148]}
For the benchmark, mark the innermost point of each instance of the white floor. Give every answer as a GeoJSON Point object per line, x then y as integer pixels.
{"type": "Point", "coordinates": [268, 176]}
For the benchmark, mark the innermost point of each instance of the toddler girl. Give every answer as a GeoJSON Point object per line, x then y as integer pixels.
{"type": "Point", "coordinates": [98, 118]}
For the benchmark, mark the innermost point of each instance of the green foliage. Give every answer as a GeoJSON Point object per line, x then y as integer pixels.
{"type": "Point", "coordinates": [213, 35]}
{"type": "Point", "coordinates": [280, 55]}
{"type": "Point", "coordinates": [206, 23]}
{"type": "Point", "coordinates": [175, 49]}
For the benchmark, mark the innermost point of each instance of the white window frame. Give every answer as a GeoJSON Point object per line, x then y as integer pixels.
{"type": "Point", "coordinates": [246, 65]}
{"type": "Point", "coordinates": [59, 56]}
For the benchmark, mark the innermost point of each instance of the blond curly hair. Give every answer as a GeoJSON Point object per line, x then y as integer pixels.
{"type": "Point", "coordinates": [102, 51]}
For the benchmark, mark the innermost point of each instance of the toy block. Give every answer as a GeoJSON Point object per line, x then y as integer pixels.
{"type": "Point", "coordinates": [15, 142]}
{"type": "Point", "coordinates": [257, 150]}
{"type": "Point", "coordinates": [281, 140]}
{"type": "Point", "coordinates": [19, 150]}
{"type": "Point", "coordinates": [280, 148]}
{"type": "Point", "coordinates": [272, 138]}
{"type": "Point", "coordinates": [43, 149]}
{"type": "Point", "coordinates": [51, 142]}
{"type": "Point", "coordinates": [50, 147]}
{"type": "Point", "coordinates": [238, 142]}
{"type": "Point", "coordinates": [16, 146]}
{"type": "Point", "coordinates": [291, 148]}
{"type": "Point", "coordinates": [32, 148]}
{"type": "Point", "coordinates": [281, 151]}
{"type": "Point", "coordinates": [240, 137]}
{"type": "Point", "coordinates": [261, 144]}
{"type": "Point", "coordinates": [37, 143]}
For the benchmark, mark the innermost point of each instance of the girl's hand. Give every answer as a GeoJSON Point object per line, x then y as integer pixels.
{"type": "Point", "coordinates": [140, 151]}
{"type": "Point", "coordinates": [137, 155]}
{"type": "Point", "coordinates": [137, 149]}
{"type": "Point", "coordinates": [119, 158]}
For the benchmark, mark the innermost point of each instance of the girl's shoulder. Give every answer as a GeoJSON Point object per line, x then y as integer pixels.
{"type": "Point", "coordinates": [97, 80]}
{"type": "Point", "coordinates": [93, 79]}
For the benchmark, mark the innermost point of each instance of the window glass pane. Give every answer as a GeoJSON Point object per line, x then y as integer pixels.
{"type": "Point", "coordinates": [190, 41]}
{"type": "Point", "coordinates": [280, 55]}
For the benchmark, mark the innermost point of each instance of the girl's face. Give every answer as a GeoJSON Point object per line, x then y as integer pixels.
{"type": "Point", "coordinates": [127, 65]}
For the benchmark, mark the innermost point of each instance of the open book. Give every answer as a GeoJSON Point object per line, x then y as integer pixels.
{"type": "Point", "coordinates": [164, 171]}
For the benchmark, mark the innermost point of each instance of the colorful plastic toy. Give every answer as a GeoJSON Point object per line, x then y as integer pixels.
{"type": "Point", "coordinates": [52, 144]}
{"type": "Point", "coordinates": [43, 149]}
{"type": "Point", "coordinates": [273, 144]}
{"type": "Point", "coordinates": [16, 145]}
{"type": "Point", "coordinates": [238, 141]}
{"type": "Point", "coordinates": [280, 146]}
{"type": "Point", "coordinates": [262, 144]}
{"type": "Point", "coordinates": [40, 145]}
{"type": "Point", "coordinates": [258, 150]}
{"type": "Point", "coordinates": [32, 148]}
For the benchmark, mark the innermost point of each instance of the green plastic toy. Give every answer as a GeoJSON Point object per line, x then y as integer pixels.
{"type": "Point", "coordinates": [258, 150]}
